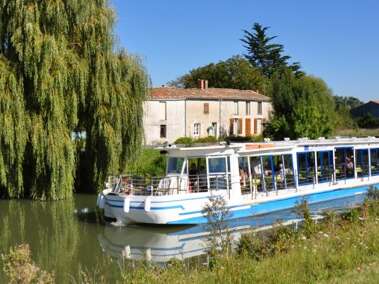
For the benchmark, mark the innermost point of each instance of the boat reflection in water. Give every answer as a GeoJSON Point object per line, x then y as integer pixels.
{"type": "Point", "coordinates": [162, 244]}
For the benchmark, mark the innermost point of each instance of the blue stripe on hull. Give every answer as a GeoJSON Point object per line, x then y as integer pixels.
{"type": "Point", "coordinates": [282, 204]}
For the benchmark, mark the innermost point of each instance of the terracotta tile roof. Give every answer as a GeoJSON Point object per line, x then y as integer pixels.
{"type": "Point", "coordinates": [170, 93]}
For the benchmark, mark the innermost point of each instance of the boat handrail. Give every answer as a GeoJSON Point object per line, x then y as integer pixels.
{"type": "Point", "coordinates": [169, 185]}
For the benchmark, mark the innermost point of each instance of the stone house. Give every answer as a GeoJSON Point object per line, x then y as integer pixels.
{"type": "Point", "coordinates": [170, 113]}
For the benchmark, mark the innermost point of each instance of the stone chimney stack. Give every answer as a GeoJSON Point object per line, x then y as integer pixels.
{"type": "Point", "coordinates": [203, 84]}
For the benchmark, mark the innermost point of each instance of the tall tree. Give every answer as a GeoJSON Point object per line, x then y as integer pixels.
{"type": "Point", "coordinates": [59, 72]}
{"type": "Point", "coordinates": [347, 102]}
{"type": "Point", "coordinates": [343, 107]}
{"type": "Point", "coordinates": [264, 54]}
{"type": "Point", "coordinates": [303, 107]}
{"type": "Point", "coordinates": [234, 73]}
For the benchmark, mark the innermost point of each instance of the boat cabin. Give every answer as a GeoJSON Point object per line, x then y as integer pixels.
{"type": "Point", "coordinates": [255, 169]}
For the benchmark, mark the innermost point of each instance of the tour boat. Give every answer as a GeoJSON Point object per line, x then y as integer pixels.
{"type": "Point", "coordinates": [251, 179]}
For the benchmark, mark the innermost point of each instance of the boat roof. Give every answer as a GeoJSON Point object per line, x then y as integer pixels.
{"type": "Point", "coordinates": [223, 148]}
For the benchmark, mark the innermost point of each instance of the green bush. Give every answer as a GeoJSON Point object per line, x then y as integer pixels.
{"type": "Point", "coordinates": [208, 139]}
{"type": "Point", "coordinates": [20, 268]}
{"type": "Point", "coordinates": [190, 141]}
{"type": "Point", "coordinates": [184, 141]}
{"type": "Point", "coordinates": [368, 121]}
{"type": "Point", "coordinates": [243, 139]}
{"type": "Point", "coordinates": [149, 162]}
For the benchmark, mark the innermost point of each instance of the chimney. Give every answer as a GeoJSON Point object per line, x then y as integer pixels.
{"type": "Point", "coordinates": [203, 84]}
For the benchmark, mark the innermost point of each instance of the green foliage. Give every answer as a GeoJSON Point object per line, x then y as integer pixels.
{"type": "Point", "coordinates": [343, 106]}
{"type": "Point", "coordinates": [347, 102]}
{"type": "Point", "coordinates": [59, 73]}
{"type": "Point", "coordinates": [304, 212]}
{"type": "Point", "coordinates": [217, 213]}
{"type": "Point", "coordinates": [368, 121]}
{"type": "Point", "coordinates": [20, 268]}
{"type": "Point", "coordinates": [149, 162]}
{"type": "Point", "coordinates": [265, 55]}
{"type": "Point", "coordinates": [344, 119]}
{"type": "Point", "coordinates": [207, 139]}
{"type": "Point", "coordinates": [188, 141]}
{"type": "Point", "coordinates": [242, 139]}
{"type": "Point", "coordinates": [303, 107]}
{"type": "Point", "coordinates": [234, 73]}
{"type": "Point", "coordinates": [357, 132]}
{"type": "Point", "coordinates": [259, 246]}
{"type": "Point", "coordinates": [184, 141]}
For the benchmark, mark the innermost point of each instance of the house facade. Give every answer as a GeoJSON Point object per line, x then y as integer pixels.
{"type": "Point", "coordinates": [170, 113]}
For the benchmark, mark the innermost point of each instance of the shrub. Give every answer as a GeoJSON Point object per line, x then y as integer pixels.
{"type": "Point", "coordinates": [242, 139]}
{"type": "Point", "coordinates": [208, 139]}
{"type": "Point", "coordinates": [184, 141]}
{"type": "Point", "coordinates": [302, 209]}
{"type": "Point", "coordinates": [149, 162]}
{"type": "Point", "coordinates": [19, 267]}
{"type": "Point", "coordinates": [188, 141]}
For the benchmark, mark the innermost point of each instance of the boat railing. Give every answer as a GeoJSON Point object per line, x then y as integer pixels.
{"type": "Point", "coordinates": [169, 185]}
{"type": "Point", "coordinates": [280, 181]}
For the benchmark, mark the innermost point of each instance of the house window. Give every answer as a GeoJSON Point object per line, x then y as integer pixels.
{"type": "Point", "coordinates": [206, 108]}
{"type": "Point", "coordinates": [212, 130]}
{"type": "Point", "coordinates": [163, 110]}
{"type": "Point", "coordinates": [247, 108]}
{"type": "Point", "coordinates": [259, 107]}
{"type": "Point", "coordinates": [236, 108]}
{"type": "Point", "coordinates": [235, 127]}
{"type": "Point", "coordinates": [163, 131]}
{"type": "Point", "coordinates": [214, 127]}
{"type": "Point", "coordinates": [239, 126]}
{"type": "Point", "coordinates": [196, 129]}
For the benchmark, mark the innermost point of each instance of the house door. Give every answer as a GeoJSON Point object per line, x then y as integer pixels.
{"type": "Point", "coordinates": [247, 126]}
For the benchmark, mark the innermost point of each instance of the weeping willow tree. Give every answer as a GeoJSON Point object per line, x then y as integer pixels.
{"type": "Point", "coordinates": [59, 73]}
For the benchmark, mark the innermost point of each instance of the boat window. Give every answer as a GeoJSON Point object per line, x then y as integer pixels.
{"type": "Point", "coordinates": [288, 171]}
{"type": "Point", "coordinates": [361, 158]}
{"type": "Point", "coordinates": [243, 165]}
{"type": "Point", "coordinates": [269, 172]}
{"type": "Point", "coordinates": [197, 174]}
{"type": "Point", "coordinates": [344, 160]}
{"type": "Point", "coordinates": [306, 167]}
{"type": "Point", "coordinates": [324, 166]}
{"type": "Point", "coordinates": [374, 161]}
{"type": "Point", "coordinates": [175, 165]}
{"type": "Point", "coordinates": [197, 166]}
{"type": "Point", "coordinates": [256, 173]}
{"type": "Point", "coordinates": [217, 165]}
{"type": "Point", "coordinates": [283, 171]}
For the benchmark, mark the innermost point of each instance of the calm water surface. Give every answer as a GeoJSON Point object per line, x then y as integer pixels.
{"type": "Point", "coordinates": [66, 237]}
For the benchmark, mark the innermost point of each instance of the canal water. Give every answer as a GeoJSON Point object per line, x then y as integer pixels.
{"type": "Point", "coordinates": [67, 237]}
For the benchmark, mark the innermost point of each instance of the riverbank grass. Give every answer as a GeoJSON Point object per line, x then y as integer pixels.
{"type": "Point", "coordinates": [341, 249]}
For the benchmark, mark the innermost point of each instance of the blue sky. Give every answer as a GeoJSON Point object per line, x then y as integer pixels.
{"type": "Point", "coordinates": [337, 40]}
